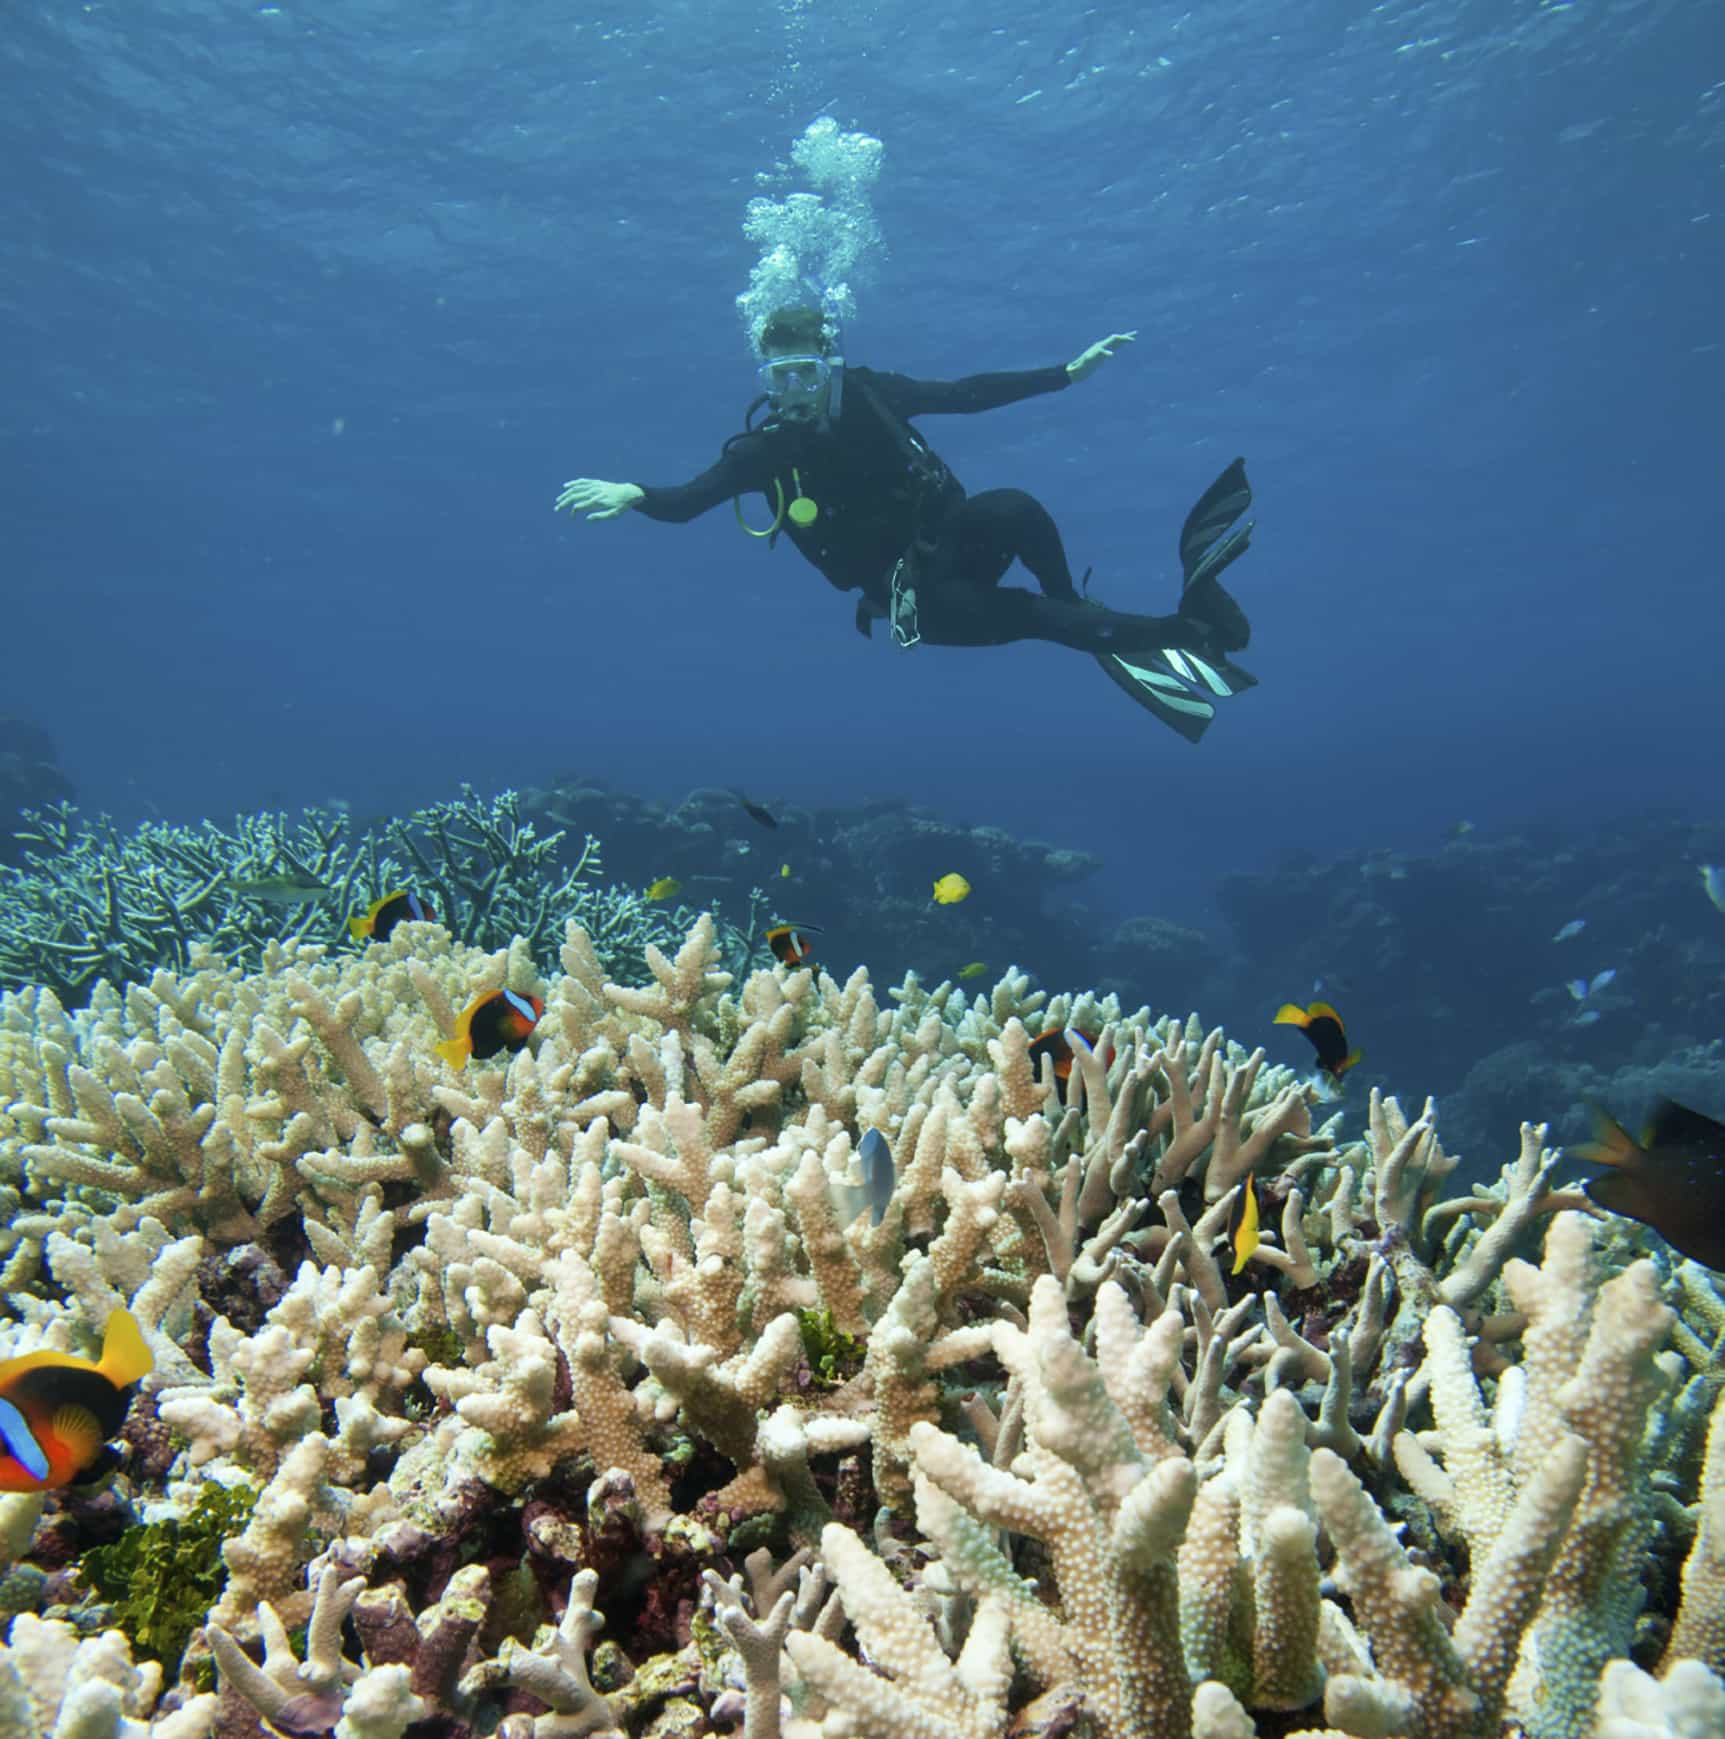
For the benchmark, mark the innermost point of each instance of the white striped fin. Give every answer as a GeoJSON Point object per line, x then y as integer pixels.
{"type": "Point", "coordinates": [1168, 690]}
{"type": "Point", "coordinates": [1207, 674]}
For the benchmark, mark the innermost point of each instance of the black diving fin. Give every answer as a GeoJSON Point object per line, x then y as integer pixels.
{"type": "Point", "coordinates": [1179, 686]}
{"type": "Point", "coordinates": [1210, 541]}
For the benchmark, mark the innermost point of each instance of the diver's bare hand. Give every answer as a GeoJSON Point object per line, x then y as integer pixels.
{"type": "Point", "coordinates": [1086, 362]}
{"type": "Point", "coordinates": [596, 498]}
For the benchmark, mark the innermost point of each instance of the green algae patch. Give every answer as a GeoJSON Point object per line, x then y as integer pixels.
{"type": "Point", "coordinates": [162, 1577]}
{"type": "Point", "coordinates": [834, 1357]}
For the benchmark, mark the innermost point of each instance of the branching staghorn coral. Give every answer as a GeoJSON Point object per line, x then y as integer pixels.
{"type": "Point", "coordinates": [533, 1349]}
{"type": "Point", "coordinates": [91, 902]}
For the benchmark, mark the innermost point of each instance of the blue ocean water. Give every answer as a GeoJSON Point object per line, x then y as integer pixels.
{"type": "Point", "coordinates": [312, 308]}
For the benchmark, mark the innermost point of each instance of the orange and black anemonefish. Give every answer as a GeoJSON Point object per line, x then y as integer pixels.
{"type": "Point", "coordinates": [1323, 1026]}
{"type": "Point", "coordinates": [57, 1411]}
{"type": "Point", "coordinates": [790, 942]}
{"type": "Point", "coordinates": [1055, 1045]}
{"type": "Point", "coordinates": [382, 916]}
{"type": "Point", "coordinates": [498, 1020]}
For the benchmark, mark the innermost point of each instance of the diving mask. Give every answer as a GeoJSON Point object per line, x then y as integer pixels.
{"type": "Point", "coordinates": [797, 383]}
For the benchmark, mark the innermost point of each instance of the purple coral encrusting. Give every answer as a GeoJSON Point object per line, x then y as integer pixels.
{"type": "Point", "coordinates": [519, 1397]}
{"type": "Point", "coordinates": [149, 1442]}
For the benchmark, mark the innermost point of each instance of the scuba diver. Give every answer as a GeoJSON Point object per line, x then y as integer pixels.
{"type": "Point", "coordinates": [865, 499]}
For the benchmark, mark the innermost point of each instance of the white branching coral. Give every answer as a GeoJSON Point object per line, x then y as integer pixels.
{"type": "Point", "coordinates": [613, 1299]}
{"type": "Point", "coordinates": [55, 1684]}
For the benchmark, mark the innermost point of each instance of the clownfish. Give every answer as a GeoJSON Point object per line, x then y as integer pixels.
{"type": "Point", "coordinates": [790, 946]}
{"type": "Point", "coordinates": [401, 907]}
{"type": "Point", "coordinates": [500, 1020]}
{"type": "Point", "coordinates": [1323, 1026]}
{"type": "Point", "coordinates": [57, 1411]}
{"type": "Point", "coordinates": [1053, 1045]}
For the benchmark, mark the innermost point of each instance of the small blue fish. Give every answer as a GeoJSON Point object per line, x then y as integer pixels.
{"type": "Point", "coordinates": [1582, 988]}
{"type": "Point", "coordinates": [1586, 1018]}
{"type": "Point", "coordinates": [879, 1174]}
{"type": "Point", "coordinates": [1713, 885]}
{"type": "Point", "coordinates": [1573, 928]}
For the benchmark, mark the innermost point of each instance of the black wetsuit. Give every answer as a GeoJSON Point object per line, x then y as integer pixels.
{"type": "Point", "coordinates": [882, 494]}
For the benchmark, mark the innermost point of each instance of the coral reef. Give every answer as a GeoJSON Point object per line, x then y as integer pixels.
{"type": "Point", "coordinates": [92, 903]}
{"type": "Point", "coordinates": [864, 873]}
{"type": "Point", "coordinates": [576, 1397]}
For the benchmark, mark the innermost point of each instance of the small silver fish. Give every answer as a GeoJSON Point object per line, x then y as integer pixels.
{"type": "Point", "coordinates": [1573, 928]}
{"type": "Point", "coordinates": [280, 890]}
{"type": "Point", "coordinates": [879, 1174]}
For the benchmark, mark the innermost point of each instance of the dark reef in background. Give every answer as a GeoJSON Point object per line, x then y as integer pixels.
{"type": "Point", "coordinates": [30, 778]}
{"type": "Point", "coordinates": [1447, 970]}
{"type": "Point", "coordinates": [866, 876]}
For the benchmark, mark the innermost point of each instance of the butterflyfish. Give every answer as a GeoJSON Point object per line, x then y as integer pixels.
{"type": "Point", "coordinates": [790, 944]}
{"type": "Point", "coordinates": [1323, 1026]}
{"type": "Point", "coordinates": [1672, 1179]}
{"type": "Point", "coordinates": [382, 916]}
{"type": "Point", "coordinates": [57, 1411]}
{"type": "Point", "coordinates": [950, 888]}
{"type": "Point", "coordinates": [499, 1020]}
{"type": "Point", "coordinates": [664, 888]}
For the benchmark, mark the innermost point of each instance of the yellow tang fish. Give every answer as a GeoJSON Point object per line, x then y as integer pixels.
{"type": "Point", "coordinates": [974, 970]}
{"type": "Point", "coordinates": [784, 869]}
{"type": "Point", "coordinates": [664, 888]}
{"type": "Point", "coordinates": [950, 888]}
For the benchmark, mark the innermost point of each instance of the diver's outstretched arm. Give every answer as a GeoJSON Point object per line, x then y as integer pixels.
{"type": "Point", "coordinates": [596, 498]}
